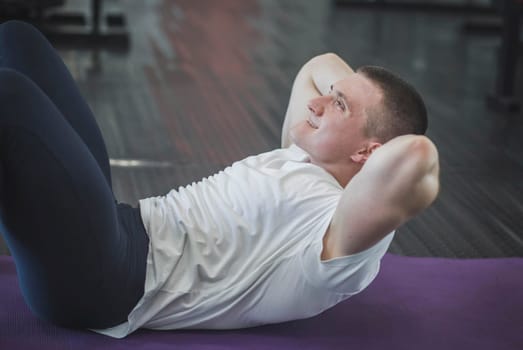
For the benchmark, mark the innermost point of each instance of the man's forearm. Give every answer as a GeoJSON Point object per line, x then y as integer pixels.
{"type": "Point", "coordinates": [399, 180]}
{"type": "Point", "coordinates": [313, 79]}
{"type": "Point", "coordinates": [327, 69]}
{"type": "Point", "coordinates": [408, 168]}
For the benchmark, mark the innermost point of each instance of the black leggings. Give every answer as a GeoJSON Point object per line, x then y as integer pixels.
{"type": "Point", "coordinates": [80, 256]}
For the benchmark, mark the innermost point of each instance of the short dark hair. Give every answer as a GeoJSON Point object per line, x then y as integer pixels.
{"type": "Point", "coordinates": [401, 110]}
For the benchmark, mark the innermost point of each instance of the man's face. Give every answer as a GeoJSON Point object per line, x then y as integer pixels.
{"type": "Point", "coordinates": [334, 129]}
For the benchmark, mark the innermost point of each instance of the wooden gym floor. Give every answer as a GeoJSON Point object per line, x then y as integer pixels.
{"type": "Point", "coordinates": [206, 83]}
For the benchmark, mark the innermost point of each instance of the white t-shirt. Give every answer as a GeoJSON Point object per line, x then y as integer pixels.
{"type": "Point", "coordinates": [242, 248]}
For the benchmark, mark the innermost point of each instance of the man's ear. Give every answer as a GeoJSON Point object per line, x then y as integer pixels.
{"type": "Point", "coordinates": [364, 153]}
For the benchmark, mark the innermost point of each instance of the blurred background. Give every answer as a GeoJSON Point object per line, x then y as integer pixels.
{"type": "Point", "coordinates": [183, 88]}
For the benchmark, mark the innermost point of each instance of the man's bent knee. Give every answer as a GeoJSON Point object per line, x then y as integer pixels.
{"type": "Point", "coordinates": [14, 84]}
{"type": "Point", "coordinates": [15, 27]}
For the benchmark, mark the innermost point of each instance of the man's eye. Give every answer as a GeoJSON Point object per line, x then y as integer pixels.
{"type": "Point", "coordinates": [339, 104]}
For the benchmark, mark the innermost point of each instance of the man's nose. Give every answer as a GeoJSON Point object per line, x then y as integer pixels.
{"type": "Point", "coordinates": [316, 106]}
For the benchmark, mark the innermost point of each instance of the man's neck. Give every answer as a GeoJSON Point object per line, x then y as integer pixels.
{"type": "Point", "coordinates": [343, 173]}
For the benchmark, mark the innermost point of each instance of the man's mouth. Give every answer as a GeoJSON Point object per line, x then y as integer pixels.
{"type": "Point", "coordinates": [312, 124]}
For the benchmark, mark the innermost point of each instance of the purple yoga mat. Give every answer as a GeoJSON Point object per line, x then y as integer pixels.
{"type": "Point", "coordinates": [414, 303]}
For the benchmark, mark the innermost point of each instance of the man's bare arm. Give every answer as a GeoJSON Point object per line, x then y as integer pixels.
{"type": "Point", "coordinates": [400, 179]}
{"type": "Point", "coordinates": [313, 79]}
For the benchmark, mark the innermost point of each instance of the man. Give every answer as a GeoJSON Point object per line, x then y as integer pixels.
{"type": "Point", "coordinates": [279, 236]}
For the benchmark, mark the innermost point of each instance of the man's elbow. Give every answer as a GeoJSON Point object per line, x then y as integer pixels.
{"type": "Point", "coordinates": [426, 186]}
{"type": "Point", "coordinates": [326, 58]}
{"type": "Point", "coordinates": [429, 190]}
{"type": "Point", "coordinates": [424, 153]}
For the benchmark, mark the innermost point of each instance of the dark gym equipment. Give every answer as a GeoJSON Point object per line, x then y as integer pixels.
{"type": "Point", "coordinates": [96, 29]}
{"type": "Point", "coordinates": [503, 97]}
